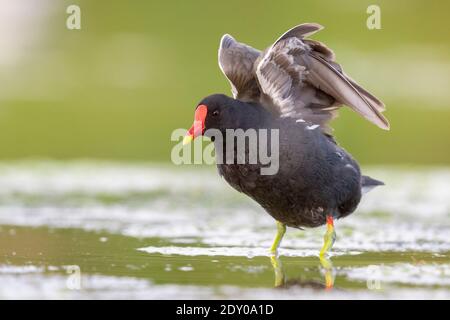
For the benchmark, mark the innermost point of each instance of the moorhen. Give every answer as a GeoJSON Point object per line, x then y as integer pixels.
{"type": "Point", "coordinates": [296, 87]}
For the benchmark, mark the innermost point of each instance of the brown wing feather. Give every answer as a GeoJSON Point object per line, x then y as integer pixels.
{"type": "Point", "coordinates": [325, 77]}
{"type": "Point", "coordinates": [301, 31]}
{"type": "Point", "coordinates": [236, 62]}
{"type": "Point", "coordinates": [303, 81]}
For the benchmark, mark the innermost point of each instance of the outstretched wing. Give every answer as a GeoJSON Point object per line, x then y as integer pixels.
{"type": "Point", "coordinates": [303, 81]}
{"type": "Point", "coordinates": [236, 62]}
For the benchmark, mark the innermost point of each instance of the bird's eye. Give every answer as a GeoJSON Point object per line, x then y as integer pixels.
{"type": "Point", "coordinates": [215, 113]}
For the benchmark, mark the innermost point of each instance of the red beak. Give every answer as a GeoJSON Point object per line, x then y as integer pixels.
{"type": "Point", "coordinates": [198, 127]}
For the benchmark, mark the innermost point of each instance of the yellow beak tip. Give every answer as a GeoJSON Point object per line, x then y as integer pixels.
{"type": "Point", "coordinates": [187, 140]}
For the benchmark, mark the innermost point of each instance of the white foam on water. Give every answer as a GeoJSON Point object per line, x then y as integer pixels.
{"type": "Point", "coordinates": [186, 268]}
{"type": "Point", "coordinates": [402, 273]}
{"type": "Point", "coordinates": [93, 287]}
{"type": "Point", "coordinates": [234, 251]}
{"type": "Point", "coordinates": [11, 269]}
{"type": "Point", "coordinates": [48, 178]}
{"type": "Point", "coordinates": [244, 228]}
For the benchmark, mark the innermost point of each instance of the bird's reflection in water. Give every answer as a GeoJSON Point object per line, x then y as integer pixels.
{"type": "Point", "coordinates": [281, 281]}
{"type": "Point", "coordinates": [327, 267]}
{"type": "Point", "coordinates": [278, 270]}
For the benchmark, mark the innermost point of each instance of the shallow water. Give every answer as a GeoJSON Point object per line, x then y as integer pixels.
{"type": "Point", "coordinates": [155, 231]}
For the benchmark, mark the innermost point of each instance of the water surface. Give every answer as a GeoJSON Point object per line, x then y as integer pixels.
{"type": "Point", "coordinates": [154, 231]}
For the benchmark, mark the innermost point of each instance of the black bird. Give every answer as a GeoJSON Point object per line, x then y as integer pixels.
{"type": "Point", "coordinates": [296, 87]}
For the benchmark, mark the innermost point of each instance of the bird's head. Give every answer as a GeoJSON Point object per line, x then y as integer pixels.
{"type": "Point", "coordinates": [213, 112]}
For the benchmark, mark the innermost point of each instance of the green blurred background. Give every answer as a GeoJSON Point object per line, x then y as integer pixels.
{"type": "Point", "coordinates": [118, 87]}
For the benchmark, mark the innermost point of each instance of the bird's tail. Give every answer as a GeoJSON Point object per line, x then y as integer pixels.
{"type": "Point", "coordinates": [367, 184]}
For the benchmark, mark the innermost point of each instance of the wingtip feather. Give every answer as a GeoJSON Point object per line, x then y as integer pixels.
{"type": "Point", "coordinates": [301, 31]}
{"type": "Point", "coordinates": [353, 97]}
{"type": "Point", "coordinates": [226, 41]}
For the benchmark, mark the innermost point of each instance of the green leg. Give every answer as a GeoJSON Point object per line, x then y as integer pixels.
{"type": "Point", "coordinates": [329, 238]}
{"type": "Point", "coordinates": [328, 241]}
{"type": "Point", "coordinates": [281, 230]}
{"type": "Point", "coordinates": [276, 262]}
